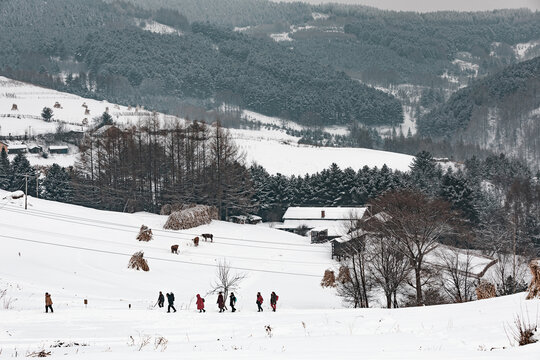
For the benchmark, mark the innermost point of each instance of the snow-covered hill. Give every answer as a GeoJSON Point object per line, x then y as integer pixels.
{"type": "Point", "coordinates": [273, 149]}
{"type": "Point", "coordinates": [77, 253]}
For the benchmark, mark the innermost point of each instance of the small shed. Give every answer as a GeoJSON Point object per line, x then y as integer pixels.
{"type": "Point", "coordinates": [17, 149]}
{"type": "Point", "coordinates": [61, 149]}
{"type": "Point", "coordinates": [245, 219]}
{"type": "Point", "coordinates": [35, 149]}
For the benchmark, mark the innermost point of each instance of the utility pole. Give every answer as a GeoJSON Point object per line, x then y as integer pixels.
{"type": "Point", "coordinates": [37, 186]}
{"type": "Point", "coordinates": [26, 192]}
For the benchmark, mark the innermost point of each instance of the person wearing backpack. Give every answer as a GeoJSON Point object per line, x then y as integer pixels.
{"type": "Point", "coordinates": [259, 302]}
{"type": "Point", "coordinates": [232, 302]}
{"type": "Point", "coordinates": [170, 300]}
{"type": "Point", "coordinates": [160, 300]}
{"type": "Point", "coordinates": [200, 303]}
{"type": "Point", "coordinates": [273, 301]}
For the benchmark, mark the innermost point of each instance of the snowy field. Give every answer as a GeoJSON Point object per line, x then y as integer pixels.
{"type": "Point", "coordinates": [77, 253]}
{"type": "Point", "coordinates": [273, 149]}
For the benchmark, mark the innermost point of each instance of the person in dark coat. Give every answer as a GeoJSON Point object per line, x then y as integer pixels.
{"type": "Point", "coordinates": [48, 303]}
{"type": "Point", "coordinates": [232, 302]}
{"type": "Point", "coordinates": [200, 303]}
{"type": "Point", "coordinates": [170, 300]}
{"type": "Point", "coordinates": [161, 300]}
{"type": "Point", "coordinates": [259, 302]}
{"type": "Point", "coordinates": [221, 302]}
{"type": "Point", "coordinates": [273, 301]}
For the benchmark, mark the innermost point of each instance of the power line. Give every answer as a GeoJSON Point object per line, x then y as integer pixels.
{"type": "Point", "coordinates": [152, 258]}
{"type": "Point", "coordinates": [87, 222]}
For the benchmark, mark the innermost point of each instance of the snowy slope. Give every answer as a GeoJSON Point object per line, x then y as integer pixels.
{"type": "Point", "coordinates": [77, 253]}
{"type": "Point", "coordinates": [273, 149]}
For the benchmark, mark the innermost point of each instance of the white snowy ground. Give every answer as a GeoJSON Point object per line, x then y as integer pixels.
{"type": "Point", "coordinates": [77, 253]}
{"type": "Point", "coordinates": [273, 149]}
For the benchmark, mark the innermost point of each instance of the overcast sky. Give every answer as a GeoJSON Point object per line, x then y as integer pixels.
{"type": "Point", "coordinates": [434, 5]}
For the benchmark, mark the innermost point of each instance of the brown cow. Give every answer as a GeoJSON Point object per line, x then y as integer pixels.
{"type": "Point", "coordinates": [208, 236]}
{"type": "Point", "coordinates": [174, 249]}
{"type": "Point", "coordinates": [196, 241]}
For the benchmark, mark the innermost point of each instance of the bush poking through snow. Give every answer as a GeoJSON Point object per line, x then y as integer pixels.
{"type": "Point", "coordinates": [41, 353]}
{"type": "Point", "coordinates": [268, 329]}
{"type": "Point", "coordinates": [344, 275]}
{"type": "Point", "coordinates": [522, 332]}
{"type": "Point", "coordinates": [329, 279]}
{"type": "Point", "coordinates": [192, 217]}
{"type": "Point", "coordinates": [160, 343]}
{"type": "Point", "coordinates": [138, 262]}
{"type": "Point", "coordinates": [485, 290]}
{"type": "Point", "coordinates": [145, 234]}
{"type": "Point", "coordinates": [534, 287]}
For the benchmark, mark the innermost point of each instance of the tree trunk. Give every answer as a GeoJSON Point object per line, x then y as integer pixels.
{"type": "Point", "coordinates": [418, 278]}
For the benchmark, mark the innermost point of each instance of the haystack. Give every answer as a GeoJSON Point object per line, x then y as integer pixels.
{"type": "Point", "coordinates": [192, 217]}
{"type": "Point", "coordinates": [534, 287]}
{"type": "Point", "coordinates": [87, 111]}
{"type": "Point", "coordinates": [145, 233]}
{"type": "Point", "coordinates": [344, 275]}
{"type": "Point", "coordinates": [14, 107]}
{"type": "Point", "coordinates": [57, 105]}
{"type": "Point", "coordinates": [485, 290]}
{"type": "Point", "coordinates": [138, 262]}
{"type": "Point", "coordinates": [329, 279]}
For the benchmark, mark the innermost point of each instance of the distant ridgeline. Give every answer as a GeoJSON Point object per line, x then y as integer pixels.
{"type": "Point", "coordinates": [500, 112]}
{"type": "Point", "coordinates": [112, 58]}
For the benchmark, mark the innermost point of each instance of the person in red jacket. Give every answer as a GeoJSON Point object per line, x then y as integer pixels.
{"type": "Point", "coordinates": [273, 301]}
{"type": "Point", "coordinates": [200, 303]}
{"type": "Point", "coordinates": [221, 302]}
{"type": "Point", "coordinates": [259, 302]}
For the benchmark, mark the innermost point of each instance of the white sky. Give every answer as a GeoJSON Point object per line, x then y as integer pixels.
{"type": "Point", "coordinates": [434, 5]}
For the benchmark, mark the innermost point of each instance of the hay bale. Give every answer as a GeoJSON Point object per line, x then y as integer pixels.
{"type": "Point", "coordinates": [485, 290]}
{"type": "Point", "coordinates": [192, 217]}
{"type": "Point", "coordinates": [534, 287]}
{"type": "Point", "coordinates": [138, 262]}
{"type": "Point", "coordinates": [145, 233]}
{"type": "Point", "coordinates": [329, 279]}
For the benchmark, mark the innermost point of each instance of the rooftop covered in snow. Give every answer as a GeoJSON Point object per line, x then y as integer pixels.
{"type": "Point", "coordinates": [324, 213]}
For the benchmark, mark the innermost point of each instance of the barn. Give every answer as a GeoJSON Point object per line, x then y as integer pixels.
{"type": "Point", "coordinates": [320, 223]}
{"type": "Point", "coordinates": [62, 149]}
{"type": "Point", "coordinates": [17, 149]}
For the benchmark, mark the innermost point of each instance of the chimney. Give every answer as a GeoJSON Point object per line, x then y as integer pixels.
{"type": "Point", "coordinates": [322, 214]}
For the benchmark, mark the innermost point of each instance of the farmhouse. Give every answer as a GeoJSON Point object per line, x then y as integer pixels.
{"type": "Point", "coordinates": [35, 149]}
{"type": "Point", "coordinates": [17, 149]}
{"type": "Point", "coordinates": [321, 223]}
{"type": "Point", "coordinates": [245, 219]}
{"type": "Point", "coordinates": [58, 149]}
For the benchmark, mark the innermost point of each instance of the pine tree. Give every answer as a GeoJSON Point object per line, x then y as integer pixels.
{"type": "Point", "coordinates": [424, 173]}
{"type": "Point", "coordinates": [57, 186]}
{"type": "Point", "coordinates": [106, 119]}
{"type": "Point", "coordinates": [20, 166]}
{"type": "Point", "coordinates": [47, 114]}
{"type": "Point", "coordinates": [5, 170]}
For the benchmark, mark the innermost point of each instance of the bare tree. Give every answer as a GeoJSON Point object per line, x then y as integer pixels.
{"type": "Point", "coordinates": [226, 280]}
{"type": "Point", "coordinates": [417, 223]}
{"type": "Point", "coordinates": [388, 266]}
{"type": "Point", "coordinates": [457, 278]}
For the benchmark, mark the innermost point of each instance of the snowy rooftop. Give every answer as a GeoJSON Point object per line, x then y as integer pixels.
{"type": "Point", "coordinates": [323, 213]}
{"type": "Point", "coordinates": [58, 147]}
{"type": "Point", "coordinates": [16, 146]}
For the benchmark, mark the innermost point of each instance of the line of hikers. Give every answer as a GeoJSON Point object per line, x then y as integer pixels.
{"type": "Point", "coordinates": [220, 302]}
{"type": "Point", "coordinates": [200, 302]}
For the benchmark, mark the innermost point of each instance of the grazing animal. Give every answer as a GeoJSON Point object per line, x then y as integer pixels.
{"type": "Point", "coordinates": [174, 249]}
{"type": "Point", "coordinates": [208, 236]}
{"type": "Point", "coordinates": [196, 241]}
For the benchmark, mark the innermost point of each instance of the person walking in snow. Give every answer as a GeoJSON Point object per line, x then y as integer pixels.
{"type": "Point", "coordinates": [259, 302]}
{"type": "Point", "coordinates": [170, 300]}
{"type": "Point", "coordinates": [161, 300]}
{"type": "Point", "coordinates": [48, 303]}
{"type": "Point", "coordinates": [232, 302]}
{"type": "Point", "coordinates": [221, 302]}
{"type": "Point", "coordinates": [273, 301]}
{"type": "Point", "coordinates": [200, 303]}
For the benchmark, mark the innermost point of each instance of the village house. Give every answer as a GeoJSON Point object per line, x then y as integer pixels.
{"type": "Point", "coordinates": [320, 223]}
{"type": "Point", "coordinates": [245, 219]}
{"type": "Point", "coordinates": [17, 149]}
{"type": "Point", "coordinates": [62, 149]}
